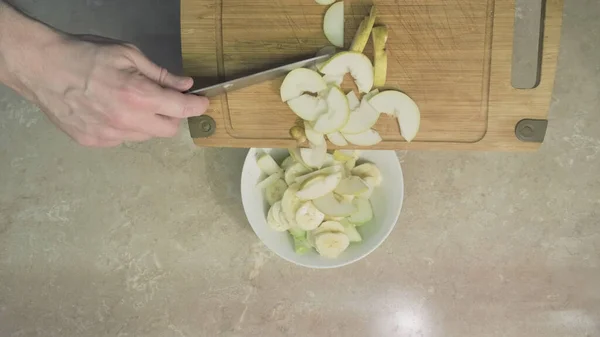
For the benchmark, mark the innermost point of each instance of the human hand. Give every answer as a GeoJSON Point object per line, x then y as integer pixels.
{"type": "Point", "coordinates": [102, 94]}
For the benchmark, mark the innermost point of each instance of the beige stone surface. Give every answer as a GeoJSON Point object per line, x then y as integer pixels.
{"type": "Point", "coordinates": [151, 240]}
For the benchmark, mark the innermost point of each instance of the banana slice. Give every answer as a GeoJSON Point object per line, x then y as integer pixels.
{"type": "Point", "coordinates": [290, 204]}
{"type": "Point", "coordinates": [331, 244]}
{"type": "Point", "coordinates": [368, 170]}
{"type": "Point", "coordinates": [273, 217]}
{"type": "Point", "coordinates": [275, 191]}
{"type": "Point", "coordinates": [308, 217]}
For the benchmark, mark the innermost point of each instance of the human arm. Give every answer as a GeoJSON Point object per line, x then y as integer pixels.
{"type": "Point", "coordinates": [99, 93]}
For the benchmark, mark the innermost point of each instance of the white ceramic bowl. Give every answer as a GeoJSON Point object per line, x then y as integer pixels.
{"type": "Point", "coordinates": [386, 201]}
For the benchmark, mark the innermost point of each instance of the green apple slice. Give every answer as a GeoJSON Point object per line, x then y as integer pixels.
{"type": "Point", "coordinates": [364, 213]}
{"type": "Point", "coordinates": [380, 36]}
{"type": "Point", "coordinates": [267, 164]}
{"type": "Point", "coordinates": [329, 205]}
{"type": "Point", "coordinates": [333, 24]}
{"type": "Point", "coordinates": [300, 81]}
{"type": "Point", "coordinates": [358, 65]}
{"type": "Point", "coordinates": [366, 138]}
{"type": "Point", "coordinates": [361, 119]}
{"type": "Point", "coordinates": [324, 171]}
{"type": "Point", "coordinates": [351, 186]}
{"type": "Point", "coordinates": [337, 114]}
{"type": "Point", "coordinates": [308, 107]}
{"type": "Point", "coordinates": [403, 107]}
{"type": "Point", "coordinates": [319, 186]}
{"type": "Point", "coordinates": [336, 138]}
{"type": "Point", "coordinates": [364, 30]}
{"type": "Point", "coordinates": [314, 137]}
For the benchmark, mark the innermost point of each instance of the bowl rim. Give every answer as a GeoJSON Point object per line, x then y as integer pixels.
{"type": "Point", "coordinates": [251, 154]}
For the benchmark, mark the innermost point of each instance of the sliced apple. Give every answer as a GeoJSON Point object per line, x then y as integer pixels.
{"type": "Point", "coordinates": [319, 186]}
{"type": "Point", "coordinates": [333, 24]}
{"type": "Point", "coordinates": [336, 138]}
{"type": "Point", "coordinates": [313, 136]}
{"type": "Point", "coordinates": [308, 107]}
{"type": "Point", "coordinates": [300, 81]}
{"type": "Point", "coordinates": [366, 138]}
{"type": "Point", "coordinates": [337, 113]}
{"type": "Point", "coordinates": [380, 36]}
{"type": "Point", "coordinates": [351, 186]}
{"type": "Point", "coordinates": [361, 119]}
{"type": "Point", "coordinates": [314, 157]}
{"type": "Point", "coordinates": [329, 205]}
{"type": "Point", "coordinates": [357, 64]}
{"type": "Point", "coordinates": [353, 101]}
{"type": "Point", "coordinates": [364, 30]}
{"type": "Point", "coordinates": [403, 107]}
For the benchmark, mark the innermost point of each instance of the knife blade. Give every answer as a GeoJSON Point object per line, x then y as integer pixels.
{"type": "Point", "coordinates": [259, 77]}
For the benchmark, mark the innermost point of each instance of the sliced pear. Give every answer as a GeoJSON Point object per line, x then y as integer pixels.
{"type": "Point", "coordinates": [329, 205]}
{"type": "Point", "coordinates": [333, 80]}
{"type": "Point", "coordinates": [308, 107]}
{"type": "Point", "coordinates": [361, 119]}
{"type": "Point", "coordinates": [337, 114]}
{"type": "Point", "coordinates": [371, 94]}
{"type": "Point", "coordinates": [314, 137]}
{"type": "Point", "coordinates": [287, 163]}
{"type": "Point", "coordinates": [328, 50]}
{"type": "Point", "coordinates": [325, 2]}
{"type": "Point", "coordinates": [294, 171]}
{"type": "Point", "coordinates": [295, 153]}
{"type": "Point", "coordinates": [267, 164]}
{"type": "Point", "coordinates": [368, 170]}
{"type": "Point", "coordinates": [344, 155]}
{"type": "Point", "coordinates": [270, 180]}
{"type": "Point", "coordinates": [364, 213]}
{"type": "Point", "coordinates": [329, 160]}
{"type": "Point", "coordinates": [357, 64]}
{"type": "Point", "coordinates": [308, 217]}
{"type": "Point", "coordinates": [324, 171]}
{"type": "Point", "coordinates": [336, 138]}
{"type": "Point", "coordinates": [333, 24]}
{"type": "Point", "coordinates": [353, 101]}
{"type": "Point", "coordinates": [380, 36]}
{"type": "Point", "coordinates": [366, 138]}
{"type": "Point", "coordinates": [371, 182]}
{"type": "Point", "coordinates": [403, 107]}
{"type": "Point", "coordinates": [351, 186]}
{"type": "Point", "coordinates": [319, 186]}
{"type": "Point", "coordinates": [314, 157]}
{"type": "Point", "coordinates": [351, 232]}
{"type": "Point", "coordinates": [300, 81]}
{"type": "Point", "coordinates": [364, 30]}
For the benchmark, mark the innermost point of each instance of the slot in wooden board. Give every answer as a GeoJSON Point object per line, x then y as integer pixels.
{"type": "Point", "coordinates": [453, 57]}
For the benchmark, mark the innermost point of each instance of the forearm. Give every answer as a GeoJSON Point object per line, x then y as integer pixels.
{"type": "Point", "coordinates": [21, 40]}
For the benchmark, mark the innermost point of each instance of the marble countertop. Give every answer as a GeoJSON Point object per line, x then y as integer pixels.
{"type": "Point", "coordinates": [151, 239]}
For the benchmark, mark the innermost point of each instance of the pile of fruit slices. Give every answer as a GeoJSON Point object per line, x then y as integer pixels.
{"type": "Point", "coordinates": [326, 111]}
{"type": "Point", "coordinates": [319, 206]}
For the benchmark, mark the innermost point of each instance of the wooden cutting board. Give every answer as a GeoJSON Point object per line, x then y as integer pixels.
{"type": "Point", "coordinates": [453, 57]}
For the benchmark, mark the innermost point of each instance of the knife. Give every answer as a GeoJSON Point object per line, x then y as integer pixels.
{"type": "Point", "coordinates": [259, 77]}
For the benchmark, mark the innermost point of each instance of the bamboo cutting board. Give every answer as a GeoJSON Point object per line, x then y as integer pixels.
{"type": "Point", "coordinates": [453, 57]}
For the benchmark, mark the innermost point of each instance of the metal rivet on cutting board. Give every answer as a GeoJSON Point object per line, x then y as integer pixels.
{"type": "Point", "coordinates": [202, 126]}
{"type": "Point", "coordinates": [531, 130]}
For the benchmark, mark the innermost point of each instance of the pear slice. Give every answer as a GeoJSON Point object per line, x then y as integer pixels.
{"type": "Point", "coordinates": [361, 119]}
{"type": "Point", "coordinates": [353, 101]}
{"type": "Point", "coordinates": [328, 50]}
{"type": "Point", "coordinates": [366, 171]}
{"type": "Point", "coordinates": [351, 186]}
{"type": "Point", "coordinates": [332, 207]}
{"type": "Point", "coordinates": [325, 2]}
{"type": "Point", "coordinates": [314, 157]}
{"type": "Point", "coordinates": [337, 114]}
{"type": "Point", "coordinates": [380, 36]}
{"type": "Point", "coordinates": [314, 137]}
{"type": "Point", "coordinates": [308, 107]}
{"type": "Point", "coordinates": [364, 213]}
{"type": "Point", "coordinates": [336, 138]}
{"type": "Point", "coordinates": [300, 81]}
{"type": "Point", "coordinates": [364, 30]}
{"type": "Point", "coordinates": [319, 186]}
{"type": "Point", "coordinates": [333, 80]}
{"type": "Point", "coordinates": [333, 24]}
{"type": "Point", "coordinates": [357, 64]}
{"type": "Point", "coordinates": [403, 107]}
{"type": "Point", "coordinates": [267, 164]}
{"type": "Point", "coordinates": [324, 171]}
{"type": "Point", "coordinates": [366, 138]}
